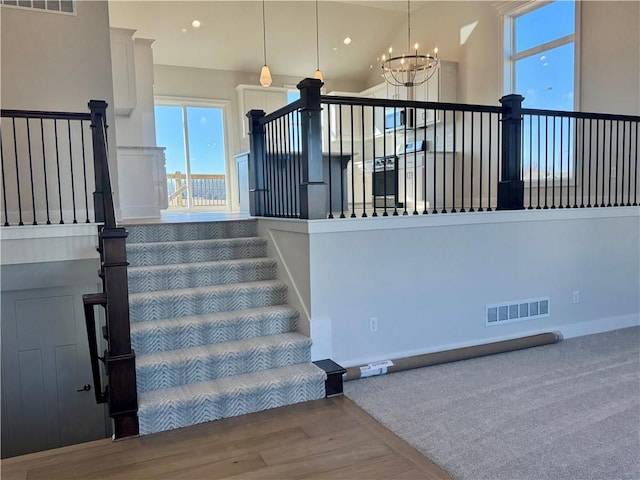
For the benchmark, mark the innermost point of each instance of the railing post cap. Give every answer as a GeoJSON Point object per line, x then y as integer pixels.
{"type": "Point", "coordinates": [309, 83]}
{"type": "Point", "coordinates": [94, 104]}
{"type": "Point", "coordinates": [255, 113]}
{"type": "Point", "coordinates": [512, 97]}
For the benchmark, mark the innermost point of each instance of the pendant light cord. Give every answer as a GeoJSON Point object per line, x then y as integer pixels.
{"type": "Point", "coordinates": [408, 26]}
{"type": "Point", "coordinates": [317, 40]}
{"type": "Point", "coordinates": [264, 34]}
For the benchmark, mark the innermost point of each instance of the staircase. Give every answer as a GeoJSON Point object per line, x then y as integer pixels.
{"type": "Point", "coordinates": [210, 326]}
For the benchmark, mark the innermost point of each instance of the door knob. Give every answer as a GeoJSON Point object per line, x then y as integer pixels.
{"type": "Point", "coordinates": [86, 388]}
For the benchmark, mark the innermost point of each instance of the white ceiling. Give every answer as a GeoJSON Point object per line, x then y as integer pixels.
{"type": "Point", "coordinates": [231, 37]}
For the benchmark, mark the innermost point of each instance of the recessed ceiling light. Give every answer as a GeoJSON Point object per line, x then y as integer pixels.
{"type": "Point", "coordinates": [347, 40]}
{"type": "Point", "coordinates": [195, 24]}
{"type": "Point", "coordinates": [183, 30]}
{"type": "Point", "coordinates": [335, 49]}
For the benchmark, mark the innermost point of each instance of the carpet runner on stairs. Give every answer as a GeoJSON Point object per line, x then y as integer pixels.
{"type": "Point", "coordinates": [213, 334]}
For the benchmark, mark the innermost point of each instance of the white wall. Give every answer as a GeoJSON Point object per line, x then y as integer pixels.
{"type": "Point", "coordinates": [428, 279]}
{"type": "Point", "coordinates": [58, 62]}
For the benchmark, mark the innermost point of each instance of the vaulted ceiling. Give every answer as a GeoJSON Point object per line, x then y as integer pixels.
{"type": "Point", "coordinates": [230, 36]}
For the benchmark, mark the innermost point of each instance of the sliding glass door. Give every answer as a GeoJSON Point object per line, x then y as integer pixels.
{"type": "Point", "coordinates": [193, 136]}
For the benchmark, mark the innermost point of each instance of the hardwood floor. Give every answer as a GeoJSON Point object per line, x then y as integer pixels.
{"type": "Point", "coordinates": [331, 439]}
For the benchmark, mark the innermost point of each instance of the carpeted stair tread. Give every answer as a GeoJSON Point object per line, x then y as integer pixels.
{"type": "Point", "coordinates": [187, 275]}
{"type": "Point", "coordinates": [193, 251]}
{"type": "Point", "coordinates": [186, 405]}
{"type": "Point", "coordinates": [191, 331]}
{"type": "Point", "coordinates": [201, 300]}
{"type": "Point", "coordinates": [177, 232]}
{"type": "Point", "coordinates": [190, 365]}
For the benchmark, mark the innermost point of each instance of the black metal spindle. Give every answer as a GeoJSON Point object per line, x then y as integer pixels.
{"type": "Point", "coordinates": [435, 169]}
{"type": "Point", "coordinates": [15, 151]}
{"type": "Point", "coordinates": [425, 210]}
{"type": "Point", "coordinates": [444, 161]}
{"type": "Point", "coordinates": [480, 209]}
{"type": "Point", "coordinates": [463, 161]}
{"type": "Point", "coordinates": [55, 134]}
{"type": "Point", "coordinates": [628, 204]}
{"type": "Point", "coordinates": [615, 198]}
{"type": "Point", "coordinates": [590, 173]}
{"type": "Point", "coordinates": [530, 161]}
{"type": "Point", "coordinates": [473, 155]}
{"type": "Point", "coordinates": [353, 168]}
{"type": "Point", "coordinates": [44, 169]}
{"type": "Point", "coordinates": [73, 186]}
{"type": "Point", "coordinates": [373, 162]}
{"type": "Point", "coordinates": [397, 183]}
{"type": "Point", "coordinates": [546, 162]}
{"type": "Point", "coordinates": [595, 204]}
{"type": "Point", "coordinates": [538, 163]}
{"type": "Point", "coordinates": [635, 184]}
{"type": "Point", "coordinates": [364, 165]}
{"type": "Point", "coordinates": [489, 160]}
{"type": "Point", "coordinates": [339, 179]}
{"type": "Point", "coordinates": [553, 162]}
{"type": "Point", "coordinates": [342, 192]}
{"type": "Point", "coordinates": [4, 186]}
{"type": "Point", "coordinates": [33, 191]}
{"type": "Point", "coordinates": [84, 172]}
{"type": "Point", "coordinates": [611, 173]}
{"type": "Point", "coordinates": [562, 176]}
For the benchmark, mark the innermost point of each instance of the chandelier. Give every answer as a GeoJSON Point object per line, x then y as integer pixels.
{"type": "Point", "coordinates": [410, 69]}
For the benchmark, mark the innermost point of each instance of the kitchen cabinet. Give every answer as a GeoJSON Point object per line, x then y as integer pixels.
{"type": "Point", "coordinates": [442, 87]}
{"type": "Point", "coordinates": [252, 97]}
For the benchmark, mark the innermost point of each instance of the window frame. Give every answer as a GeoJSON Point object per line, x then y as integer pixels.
{"type": "Point", "coordinates": [230, 166]}
{"type": "Point", "coordinates": [509, 15]}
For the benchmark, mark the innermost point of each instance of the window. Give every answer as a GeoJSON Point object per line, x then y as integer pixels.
{"type": "Point", "coordinates": [60, 6]}
{"type": "Point", "coordinates": [540, 46]}
{"type": "Point", "coordinates": [195, 154]}
{"type": "Point", "coordinates": [540, 55]}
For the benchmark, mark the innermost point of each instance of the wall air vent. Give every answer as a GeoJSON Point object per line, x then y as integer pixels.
{"type": "Point", "coordinates": [516, 311]}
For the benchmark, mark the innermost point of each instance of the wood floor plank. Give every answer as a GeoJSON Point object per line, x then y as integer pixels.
{"type": "Point", "coordinates": [330, 438]}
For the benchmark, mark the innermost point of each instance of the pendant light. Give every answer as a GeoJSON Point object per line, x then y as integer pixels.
{"type": "Point", "coordinates": [265, 74]}
{"type": "Point", "coordinates": [318, 73]}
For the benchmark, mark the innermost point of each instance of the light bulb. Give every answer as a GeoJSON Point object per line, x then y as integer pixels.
{"type": "Point", "coordinates": [390, 50]}
{"type": "Point", "coordinates": [415, 46]}
{"type": "Point", "coordinates": [318, 75]}
{"type": "Point", "coordinates": [435, 50]}
{"type": "Point", "coordinates": [265, 76]}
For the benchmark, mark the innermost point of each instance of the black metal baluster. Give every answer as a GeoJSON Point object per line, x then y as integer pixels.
{"type": "Point", "coordinates": [44, 168]}
{"type": "Point", "coordinates": [546, 162]}
{"type": "Point", "coordinates": [598, 163]}
{"type": "Point", "coordinates": [489, 160]}
{"type": "Point", "coordinates": [538, 175]}
{"type": "Point", "coordinates": [444, 161]}
{"type": "Point", "coordinates": [395, 150]}
{"type": "Point", "coordinates": [435, 176]}
{"type": "Point", "coordinates": [55, 133]}
{"type": "Point", "coordinates": [480, 209]}
{"type": "Point", "coordinates": [373, 162]}
{"type": "Point", "coordinates": [33, 191]}
{"type": "Point", "coordinates": [84, 172]}
{"type": "Point", "coordinates": [339, 179]}
{"type": "Point", "coordinates": [384, 154]}
{"type": "Point", "coordinates": [268, 167]}
{"type": "Point", "coordinates": [628, 204]}
{"type": "Point", "coordinates": [615, 199]}
{"type": "Point", "coordinates": [562, 176]}
{"type": "Point", "coordinates": [622, 177]}
{"type": "Point", "coordinates": [462, 165]}
{"type": "Point", "coordinates": [499, 165]}
{"type": "Point", "coordinates": [610, 163]}
{"type": "Point", "coordinates": [590, 173]}
{"type": "Point", "coordinates": [530, 162]}
{"type": "Point", "coordinates": [635, 184]}
{"type": "Point", "coordinates": [73, 186]}
{"type": "Point", "coordinates": [342, 189]}
{"type": "Point", "coordinates": [15, 150]}
{"type": "Point", "coordinates": [553, 164]}
{"type": "Point", "coordinates": [425, 210]}
{"type": "Point", "coordinates": [472, 150]}
{"type": "Point", "coordinates": [364, 165]}
{"type": "Point", "coordinates": [4, 186]}
{"type": "Point", "coordinates": [353, 168]}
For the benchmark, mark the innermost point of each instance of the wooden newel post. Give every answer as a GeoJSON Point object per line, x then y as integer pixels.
{"type": "Point", "coordinates": [122, 393]}
{"type": "Point", "coordinates": [257, 158]}
{"type": "Point", "coordinates": [511, 186]}
{"type": "Point", "coordinates": [313, 190]}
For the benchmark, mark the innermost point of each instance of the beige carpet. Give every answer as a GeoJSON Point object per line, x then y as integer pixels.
{"type": "Point", "coordinates": [565, 411]}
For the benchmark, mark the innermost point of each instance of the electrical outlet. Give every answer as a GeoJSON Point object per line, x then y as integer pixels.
{"type": "Point", "coordinates": [576, 297]}
{"type": "Point", "coordinates": [373, 325]}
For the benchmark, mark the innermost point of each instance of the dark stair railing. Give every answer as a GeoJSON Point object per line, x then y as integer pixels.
{"type": "Point", "coordinates": [120, 394]}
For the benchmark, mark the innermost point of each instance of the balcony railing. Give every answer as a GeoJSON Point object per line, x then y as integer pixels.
{"type": "Point", "coordinates": [349, 157]}
{"type": "Point", "coordinates": [206, 190]}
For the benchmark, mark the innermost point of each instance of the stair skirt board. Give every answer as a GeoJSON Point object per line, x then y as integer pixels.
{"type": "Point", "coordinates": [210, 325]}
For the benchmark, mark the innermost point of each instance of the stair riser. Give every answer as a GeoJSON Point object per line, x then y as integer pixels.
{"type": "Point", "coordinates": [199, 410]}
{"type": "Point", "coordinates": [164, 254]}
{"type": "Point", "coordinates": [165, 375]}
{"type": "Point", "coordinates": [194, 335]}
{"type": "Point", "coordinates": [176, 232]}
{"type": "Point", "coordinates": [198, 304]}
{"type": "Point", "coordinates": [191, 277]}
